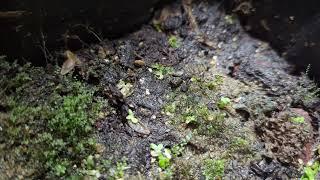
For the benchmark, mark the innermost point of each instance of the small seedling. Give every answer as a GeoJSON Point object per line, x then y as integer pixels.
{"type": "Point", "coordinates": [118, 172]}
{"type": "Point", "coordinates": [298, 119]}
{"type": "Point", "coordinates": [178, 148]}
{"type": "Point", "coordinates": [125, 88]}
{"type": "Point", "coordinates": [229, 19]}
{"type": "Point", "coordinates": [163, 155]}
{"type": "Point", "coordinates": [160, 71]}
{"type": "Point", "coordinates": [131, 117]}
{"type": "Point", "coordinates": [173, 42]}
{"type": "Point", "coordinates": [60, 169]}
{"type": "Point", "coordinates": [157, 26]}
{"type": "Point", "coordinates": [191, 119]}
{"type": "Point", "coordinates": [310, 172]}
{"type": "Point", "coordinates": [223, 102]}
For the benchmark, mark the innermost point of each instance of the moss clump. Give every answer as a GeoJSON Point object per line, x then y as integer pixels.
{"type": "Point", "coordinates": [192, 108]}
{"type": "Point", "coordinates": [46, 123]}
{"type": "Point", "coordinates": [160, 71]}
{"type": "Point", "coordinates": [173, 42]}
{"type": "Point", "coordinates": [214, 169]}
{"type": "Point", "coordinates": [311, 171]}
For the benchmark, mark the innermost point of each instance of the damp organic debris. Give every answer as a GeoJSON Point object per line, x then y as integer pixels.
{"type": "Point", "coordinates": [157, 90]}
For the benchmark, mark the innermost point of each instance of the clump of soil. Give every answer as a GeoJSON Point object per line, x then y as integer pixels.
{"type": "Point", "coordinates": [287, 136]}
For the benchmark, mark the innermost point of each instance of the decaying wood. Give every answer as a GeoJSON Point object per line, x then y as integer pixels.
{"type": "Point", "coordinates": [13, 14]}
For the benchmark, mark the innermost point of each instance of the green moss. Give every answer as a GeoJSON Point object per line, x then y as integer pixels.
{"type": "Point", "coordinates": [160, 71]}
{"type": "Point", "coordinates": [223, 102]}
{"type": "Point", "coordinates": [191, 108]}
{"type": "Point", "coordinates": [214, 169]}
{"type": "Point", "coordinates": [47, 126]}
{"type": "Point", "coordinates": [298, 119]}
{"type": "Point", "coordinates": [173, 42]}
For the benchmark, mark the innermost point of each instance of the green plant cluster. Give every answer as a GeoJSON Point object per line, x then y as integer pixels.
{"type": "Point", "coordinates": [214, 168]}
{"type": "Point", "coordinates": [191, 108]}
{"type": "Point", "coordinates": [173, 41]}
{"type": "Point", "coordinates": [311, 171]}
{"type": "Point", "coordinates": [160, 71]}
{"type": "Point", "coordinates": [52, 138]}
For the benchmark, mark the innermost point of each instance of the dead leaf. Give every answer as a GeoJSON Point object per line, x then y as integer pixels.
{"type": "Point", "coordinates": [102, 53]}
{"type": "Point", "coordinates": [139, 128]}
{"type": "Point", "coordinates": [70, 63]}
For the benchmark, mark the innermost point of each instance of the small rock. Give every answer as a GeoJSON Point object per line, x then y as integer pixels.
{"type": "Point", "coordinates": [139, 128]}
{"type": "Point", "coordinates": [178, 73]}
{"type": "Point", "coordinates": [147, 92]}
{"type": "Point", "coordinates": [184, 87]}
{"type": "Point", "coordinates": [139, 63]}
{"type": "Point", "coordinates": [142, 80]}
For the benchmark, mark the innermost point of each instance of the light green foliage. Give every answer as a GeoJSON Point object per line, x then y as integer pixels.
{"type": "Point", "coordinates": [223, 102]}
{"type": "Point", "coordinates": [125, 88]}
{"type": "Point", "coordinates": [60, 169]}
{"type": "Point", "coordinates": [298, 119]}
{"type": "Point", "coordinates": [190, 119]}
{"type": "Point", "coordinates": [230, 19]}
{"type": "Point", "coordinates": [131, 117]}
{"type": "Point", "coordinates": [163, 155]}
{"type": "Point", "coordinates": [161, 71]}
{"type": "Point", "coordinates": [310, 172]}
{"type": "Point", "coordinates": [173, 41]}
{"type": "Point", "coordinates": [214, 169]}
{"type": "Point", "coordinates": [170, 109]}
{"type": "Point", "coordinates": [157, 26]}
{"type": "Point", "coordinates": [119, 171]}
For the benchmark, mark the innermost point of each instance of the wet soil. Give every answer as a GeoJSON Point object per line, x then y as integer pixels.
{"type": "Point", "coordinates": [256, 78]}
{"type": "Point", "coordinates": [214, 58]}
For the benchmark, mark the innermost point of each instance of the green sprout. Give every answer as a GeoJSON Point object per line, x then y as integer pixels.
{"type": "Point", "coordinates": [173, 42]}
{"type": "Point", "coordinates": [125, 88]}
{"type": "Point", "coordinates": [298, 119]}
{"type": "Point", "coordinates": [311, 171]}
{"type": "Point", "coordinates": [160, 70]}
{"type": "Point", "coordinates": [163, 155]}
{"type": "Point", "coordinates": [131, 117]}
{"type": "Point", "coordinates": [223, 102]}
{"type": "Point", "coordinates": [190, 119]}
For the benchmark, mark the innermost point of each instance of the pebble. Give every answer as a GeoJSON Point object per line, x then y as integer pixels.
{"type": "Point", "coordinates": [178, 73]}
{"type": "Point", "coordinates": [184, 87]}
{"type": "Point", "coordinates": [147, 92]}
{"type": "Point", "coordinates": [142, 80]}
{"type": "Point", "coordinates": [139, 63]}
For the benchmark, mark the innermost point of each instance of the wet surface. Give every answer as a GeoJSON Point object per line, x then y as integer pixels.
{"type": "Point", "coordinates": [175, 89]}
{"type": "Point", "coordinates": [261, 85]}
